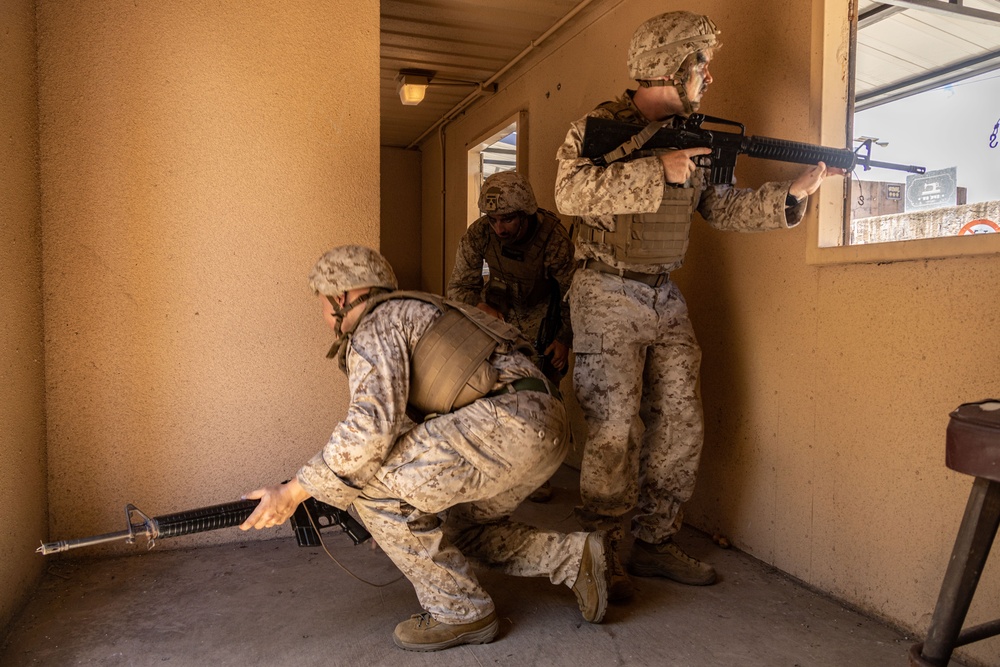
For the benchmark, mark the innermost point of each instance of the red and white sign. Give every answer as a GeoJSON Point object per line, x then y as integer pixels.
{"type": "Point", "coordinates": [982, 226]}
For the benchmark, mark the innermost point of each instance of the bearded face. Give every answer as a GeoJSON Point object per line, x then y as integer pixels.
{"type": "Point", "coordinates": [694, 76]}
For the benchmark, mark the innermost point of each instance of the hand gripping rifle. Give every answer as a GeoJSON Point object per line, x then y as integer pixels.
{"type": "Point", "coordinates": [606, 141]}
{"type": "Point", "coordinates": [310, 517]}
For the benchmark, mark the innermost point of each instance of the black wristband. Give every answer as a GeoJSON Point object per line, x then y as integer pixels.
{"type": "Point", "coordinates": [791, 201]}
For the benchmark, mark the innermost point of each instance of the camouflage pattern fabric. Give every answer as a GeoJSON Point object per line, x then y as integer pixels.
{"type": "Point", "coordinates": [506, 192]}
{"type": "Point", "coordinates": [635, 376]}
{"type": "Point", "coordinates": [350, 267]}
{"type": "Point", "coordinates": [660, 45]}
{"type": "Point", "coordinates": [436, 494]}
{"type": "Point", "coordinates": [637, 359]}
{"type": "Point", "coordinates": [598, 193]}
{"type": "Point", "coordinates": [480, 243]}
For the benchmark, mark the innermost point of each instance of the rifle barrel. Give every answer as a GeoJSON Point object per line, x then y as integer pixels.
{"type": "Point", "coordinates": [65, 545]}
{"type": "Point", "coordinates": [168, 525]}
{"type": "Point", "coordinates": [215, 517]}
{"type": "Point", "coordinates": [912, 168]}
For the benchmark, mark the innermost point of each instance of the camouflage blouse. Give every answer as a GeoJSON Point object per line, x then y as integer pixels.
{"type": "Point", "coordinates": [597, 194]}
{"type": "Point", "coordinates": [378, 374]}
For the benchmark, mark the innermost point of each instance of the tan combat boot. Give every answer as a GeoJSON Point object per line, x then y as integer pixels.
{"type": "Point", "coordinates": [620, 589]}
{"type": "Point", "coordinates": [667, 560]}
{"type": "Point", "coordinates": [421, 632]}
{"type": "Point", "coordinates": [591, 586]}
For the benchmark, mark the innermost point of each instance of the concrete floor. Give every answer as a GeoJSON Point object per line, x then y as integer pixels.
{"type": "Point", "coordinates": [269, 602]}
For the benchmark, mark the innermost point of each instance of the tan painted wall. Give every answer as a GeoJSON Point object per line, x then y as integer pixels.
{"type": "Point", "coordinates": [196, 160]}
{"type": "Point", "coordinates": [435, 266]}
{"type": "Point", "coordinates": [827, 389]}
{"type": "Point", "coordinates": [400, 194]}
{"type": "Point", "coordinates": [22, 391]}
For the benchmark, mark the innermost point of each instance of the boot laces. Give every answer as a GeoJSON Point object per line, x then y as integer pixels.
{"type": "Point", "coordinates": [677, 553]}
{"type": "Point", "coordinates": [424, 619]}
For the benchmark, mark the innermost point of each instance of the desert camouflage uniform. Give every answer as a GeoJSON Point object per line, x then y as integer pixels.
{"type": "Point", "coordinates": [434, 493]}
{"type": "Point", "coordinates": [637, 358]}
{"type": "Point", "coordinates": [529, 298]}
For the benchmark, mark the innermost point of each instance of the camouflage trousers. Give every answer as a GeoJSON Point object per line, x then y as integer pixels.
{"type": "Point", "coordinates": [635, 376]}
{"type": "Point", "coordinates": [441, 502]}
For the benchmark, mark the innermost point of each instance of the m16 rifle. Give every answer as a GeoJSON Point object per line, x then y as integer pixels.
{"type": "Point", "coordinates": [547, 331]}
{"type": "Point", "coordinates": [606, 141]}
{"type": "Point", "coordinates": [310, 517]}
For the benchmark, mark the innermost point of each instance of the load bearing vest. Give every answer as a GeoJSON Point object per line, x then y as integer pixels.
{"type": "Point", "coordinates": [660, 237]}
{"type": "Point", "coordinates": [450, 364]}
{"type": "Point", "coordinates": [517, 274]}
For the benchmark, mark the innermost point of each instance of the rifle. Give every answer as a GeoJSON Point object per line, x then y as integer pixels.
{"type": "Point", "coordinates": [548, 329]}
{"type": "Point", "coordinates": [310, 516]}
{"type": "Point", "coordinates": [606, 141]}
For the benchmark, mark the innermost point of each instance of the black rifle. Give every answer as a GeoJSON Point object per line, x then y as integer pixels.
{"type": "Point", "coordinates": [548, 330]}
{"type": "Point", "coordinates": [310, 516]}
{"type": "Point", "coordinates": [606, 141]}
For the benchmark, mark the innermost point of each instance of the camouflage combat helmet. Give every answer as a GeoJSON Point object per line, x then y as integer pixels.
{"type": "Point", "coordinates": [350, 267]}
{"type": "Point", "coordinates": [506, 192]}
{"type": "Point", "coordinates": [661, 44]}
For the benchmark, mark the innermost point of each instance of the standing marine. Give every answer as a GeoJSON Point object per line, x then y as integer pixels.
{"type": "Point", "coordinates": [636, 355]}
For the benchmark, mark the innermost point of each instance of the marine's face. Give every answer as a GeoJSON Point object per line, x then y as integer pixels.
{"type": "Point", "coordinates": [699, 77]}
{"type": "Point", "coordinates": [508, 226]}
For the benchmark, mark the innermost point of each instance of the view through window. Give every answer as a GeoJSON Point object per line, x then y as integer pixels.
{"type": "Point", "coordinates": [497, 151]}
{"type": "Point", "coordinates": [927, 93]}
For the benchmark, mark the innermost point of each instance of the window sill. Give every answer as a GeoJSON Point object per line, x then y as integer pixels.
{"type": "Point", "coordinates": [826, 213]}
{"type": "Point", "coordinates": [901, 251]}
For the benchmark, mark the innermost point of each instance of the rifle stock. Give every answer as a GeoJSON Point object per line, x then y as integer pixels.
{"type": "Point", "coordinates": [606, 141]}
{"type": "Point", "coordinates": [310, 516]}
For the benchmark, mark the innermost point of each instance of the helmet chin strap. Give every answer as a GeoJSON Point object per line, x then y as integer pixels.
{"type": "Point", "coordinates": [339, 348]}
{"type": "Point", "coordinates": [679, 86]}
{"type": "Point", "coordinates": [683, 94]}
{"type": "Point", "coordinates": [341, 312]}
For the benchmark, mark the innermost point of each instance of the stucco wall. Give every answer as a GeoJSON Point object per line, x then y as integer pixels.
{"type": "Point", "coordinates": [826, 388]}
{"type": "Point", "coordinates": [22, 397]}
{"type": "Point", "coordinates": [196, 160]}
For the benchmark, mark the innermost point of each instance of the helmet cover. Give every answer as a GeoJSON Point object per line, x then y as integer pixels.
{"type": "Point", "coordinates": [660, 45]}
{"type": "Point", "coordinates": [349, 267]}
{"type": "Point", "coordinates": [507, 192]}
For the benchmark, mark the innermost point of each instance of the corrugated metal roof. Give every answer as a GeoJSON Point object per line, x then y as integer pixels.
{"type": "Point", "coordinates": [908, 46]}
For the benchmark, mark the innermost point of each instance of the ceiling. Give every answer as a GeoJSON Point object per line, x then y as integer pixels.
{"type": "Point", "coordinates": [463, 40]}
{"type": "Point", "coordinates": [904, 47]}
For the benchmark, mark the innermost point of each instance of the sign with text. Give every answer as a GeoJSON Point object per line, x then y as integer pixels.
{"type": "Point", "coordinates": [934, 189]}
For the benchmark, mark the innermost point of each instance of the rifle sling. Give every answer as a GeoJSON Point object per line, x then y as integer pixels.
{"type": "Point", "coordinates": [634, 143]}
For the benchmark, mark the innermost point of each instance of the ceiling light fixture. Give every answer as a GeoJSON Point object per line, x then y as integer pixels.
{"type": "Point", "coordinates": [411, 87]}
{"type": "Point", "coordinates": [412, 84]}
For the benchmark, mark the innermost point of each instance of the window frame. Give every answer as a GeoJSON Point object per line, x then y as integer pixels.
{"type": "Point", "coordinates": [834, 28]}
{"type": "Point", "coordinates": [475, 147]}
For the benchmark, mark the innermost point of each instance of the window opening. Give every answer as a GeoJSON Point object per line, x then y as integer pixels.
{"type": "Point", "coordinates": [926, 90]}
{"type": "Point", "coordinates": [497, 151]}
